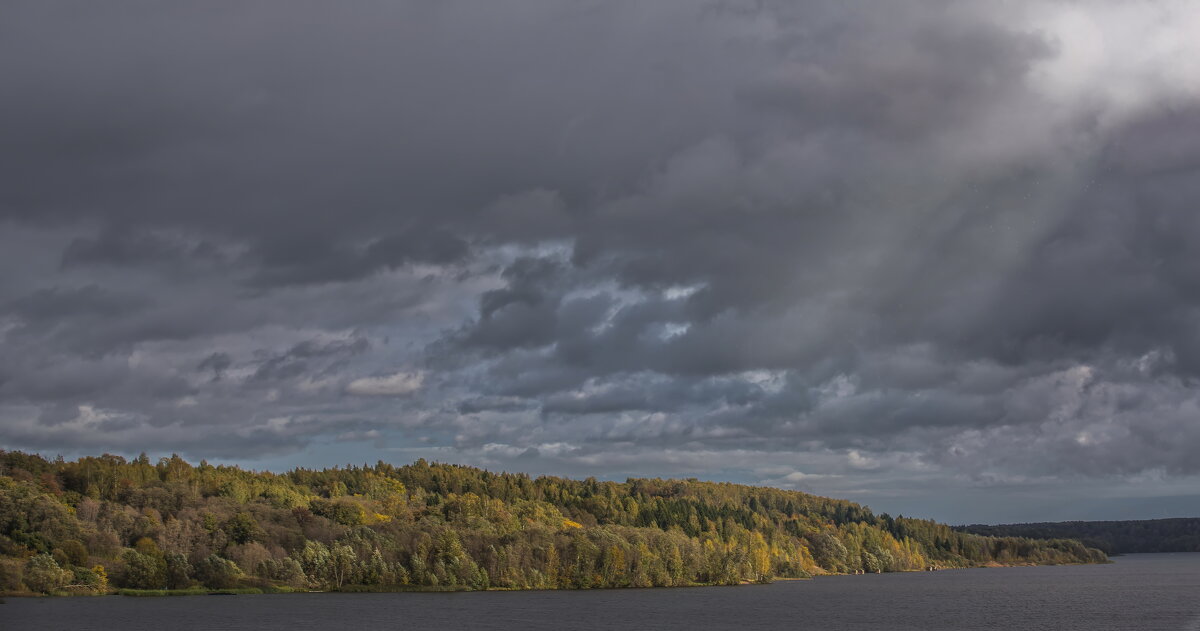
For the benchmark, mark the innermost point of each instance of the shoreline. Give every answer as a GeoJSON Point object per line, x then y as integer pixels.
{"type": "Point", "coordinates": [428, 589]}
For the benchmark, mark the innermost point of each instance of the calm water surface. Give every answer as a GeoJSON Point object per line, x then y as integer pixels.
{"type": "Point", "coordinates": [1145, 591]}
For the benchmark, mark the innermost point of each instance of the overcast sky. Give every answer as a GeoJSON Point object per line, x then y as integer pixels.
{"type": "Point", "coordinates": [941, 258]}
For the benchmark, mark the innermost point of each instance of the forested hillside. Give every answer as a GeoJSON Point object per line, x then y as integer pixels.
{"type": "Point", "coordinates": [1143, 535]}
{"type": "Point", "coordinates": [100, 523]}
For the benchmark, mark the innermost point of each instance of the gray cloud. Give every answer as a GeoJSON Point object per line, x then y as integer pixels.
{"type": "Point", "coordinates": [895, 253]}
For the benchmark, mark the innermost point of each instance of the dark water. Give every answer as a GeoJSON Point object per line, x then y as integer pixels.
{"type": "Point", "coordinates": [1146, 591]}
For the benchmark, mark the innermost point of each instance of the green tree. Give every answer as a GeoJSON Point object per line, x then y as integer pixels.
{"type": "Point", "coordinates": [178, 571]}
{"type": "Point", "coordinates": [242, 528]}
{"type": "Point", "coordinates": [144, 571]}
{"type": "Point", "coordinates": [342, 561]}
{"type": "Point", "coordinates": [43, 574]}
{"type": "Point", "coordinates": [216, 572]}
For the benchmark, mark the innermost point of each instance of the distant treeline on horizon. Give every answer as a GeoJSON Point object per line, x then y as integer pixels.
{"type": "Point", "coordinates": [98, 523]}
{"type": "Point", "coordinates": [1180, 534]}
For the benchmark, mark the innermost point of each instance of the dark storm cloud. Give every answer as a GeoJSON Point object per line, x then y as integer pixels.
{"type": "Point", "coordinates": [331, 142]}
{"type": "Point", "coordinates": [817, 245]}
{"type": "Point", "coordinates": [297, 359]}
{"type": "Point", "coordinates": [1118, 270]}
{"type": "Point", "coordinates": [312, 259]}
{"type": "Point", "coordinates": [910, 77]}
{"type": "Point", "coordinates": [125, 246]}
{"type": "Point", "coordinates": [217, 363]}
{"type": "Point", "coordinates": [45, 307]}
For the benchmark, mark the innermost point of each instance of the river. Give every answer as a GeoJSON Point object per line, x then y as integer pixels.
{"type": "Point", "coordinates": [1142, 592]}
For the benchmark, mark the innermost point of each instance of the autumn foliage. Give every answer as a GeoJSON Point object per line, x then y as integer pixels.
{"type": "Point", "coordinates": [96, 523]}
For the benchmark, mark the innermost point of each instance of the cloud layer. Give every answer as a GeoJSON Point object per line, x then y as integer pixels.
{"type": "Point", "coordinates": [898, 253]}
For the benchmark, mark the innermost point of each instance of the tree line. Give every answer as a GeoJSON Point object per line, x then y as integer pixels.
{"type": "Point", "coordinates": [1112, 537]}
{"type": "Point", "coordinates": [99, 523]}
